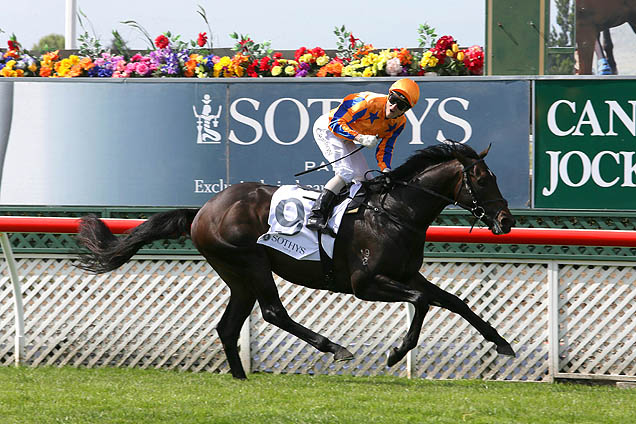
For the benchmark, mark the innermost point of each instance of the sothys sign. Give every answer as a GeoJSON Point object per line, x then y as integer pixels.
{"type": "Point", "coordinates": [585, 141]}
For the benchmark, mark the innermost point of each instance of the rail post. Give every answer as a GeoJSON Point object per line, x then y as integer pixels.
{"type": "Point", "coordinates": [17, 298]}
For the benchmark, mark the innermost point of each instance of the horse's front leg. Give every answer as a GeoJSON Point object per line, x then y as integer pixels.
{"type": "Point", "coordinates": [453, 303]}
{"type": "Point", "coordinates": [383, 289]}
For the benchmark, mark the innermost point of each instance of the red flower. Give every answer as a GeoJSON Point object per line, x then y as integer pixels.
{"type": "Point", "coordinates": [444, 43]}
{"type": "Point", "coordinates": [353, 40]}
{"type": "Point", "coordinates": [202, 39]}
{"type": "Point", "coordinates": [277, 55]}
{"type": "Point", "coordinates": [162, 42]}
{"type": "Point", "coordinates": [301, 51]}
{"type": "Point", "coordinates": [251, 69]}
{"type": "Point", "coordinates": [317, 52]}
{"type": "Point", "coordinates": [264, 65]}
{"type": "Point", "coordinates": [13, 45]}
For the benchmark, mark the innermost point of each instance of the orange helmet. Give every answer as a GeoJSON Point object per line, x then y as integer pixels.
{"type": "Point", "coordinates": [408, 88]}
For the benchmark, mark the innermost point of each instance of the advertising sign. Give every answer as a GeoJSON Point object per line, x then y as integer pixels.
{"type": "Point", "coordinates": [178, 142]}
{"type": "Point", "coordinates": [584, 145]}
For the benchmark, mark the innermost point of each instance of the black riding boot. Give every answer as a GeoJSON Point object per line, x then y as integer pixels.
{"type": "Point", "coordinates": [320, 211]}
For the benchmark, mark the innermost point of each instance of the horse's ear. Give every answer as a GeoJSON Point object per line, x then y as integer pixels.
{"type": "Point", "coordinates": [485, 152]}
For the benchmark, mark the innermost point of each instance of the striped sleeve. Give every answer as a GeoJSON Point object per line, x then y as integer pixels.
{"type": "Point", "coordinates": [384, 151]}
{"type": "Point", "coordinates": [352, 108]}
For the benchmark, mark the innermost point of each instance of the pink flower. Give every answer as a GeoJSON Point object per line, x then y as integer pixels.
{"type": "Point", "coordinates": [142, 69]}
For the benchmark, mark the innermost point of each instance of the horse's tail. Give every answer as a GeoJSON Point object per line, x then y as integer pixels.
{"type": "Point", "coordinates": [107, 252]}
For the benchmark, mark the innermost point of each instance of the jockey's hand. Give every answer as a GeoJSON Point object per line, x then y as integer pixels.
{"type": "Point", "coordinates": [386, 170]}
{"type": "Point", "coordinates": [367, 140]}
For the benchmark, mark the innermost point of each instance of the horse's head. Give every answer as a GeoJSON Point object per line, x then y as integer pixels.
{"type": "Point", "coordinates": [479, 193]}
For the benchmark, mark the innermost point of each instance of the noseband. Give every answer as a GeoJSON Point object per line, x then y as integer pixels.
{"type": "Point", "coordinates": [477, 210]}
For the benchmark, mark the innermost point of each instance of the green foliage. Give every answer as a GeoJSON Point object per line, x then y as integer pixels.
{"type": "Point", "coordinates": [246, 46]}
{"type": "Point", "coordinates": [119, 45]}
{"type": "Point", "coordinates": [346, 43]}
{"type": "Point", "coordinates": [203, 15]}
{"type": "Point", "coordinates": [48, 43]}
{"type": "Point", "coordinates": [89, 45]}
{"type": "Point", "coordinates": [108, 395]}
{"type": "Point", "coordinates": [426, 36]}
{"type": "Point", "coordinates": [142, 30]}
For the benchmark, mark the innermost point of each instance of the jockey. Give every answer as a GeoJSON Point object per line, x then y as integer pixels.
{"type": "Point", "coordinates": [364, 118]}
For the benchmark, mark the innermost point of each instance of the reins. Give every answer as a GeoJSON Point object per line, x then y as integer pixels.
{"type": "Point", "coordinates": [477, 210]}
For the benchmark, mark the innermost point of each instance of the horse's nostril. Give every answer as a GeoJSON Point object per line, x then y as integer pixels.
{"type": "Point", "coordinates": [508, 222]}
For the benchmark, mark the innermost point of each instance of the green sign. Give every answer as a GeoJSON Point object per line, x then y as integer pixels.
{"type": "Point", "coordinates": [585, 139]}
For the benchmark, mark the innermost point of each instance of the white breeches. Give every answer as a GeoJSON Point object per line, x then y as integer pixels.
{"type": "Point", "coordinates": [332, 148]}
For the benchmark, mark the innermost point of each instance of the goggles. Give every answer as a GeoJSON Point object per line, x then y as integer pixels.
{"type": "Point", "coordinates": [396, 99]}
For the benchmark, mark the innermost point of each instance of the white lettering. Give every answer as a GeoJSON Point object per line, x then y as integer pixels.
{"type": "Point", "coordinates": [468, 131]}
{"type": "Point", "coordinates": [417, 123]}
{"type": "Point", "coordinates": [554, 128]}
{"type": "Point", "coordinates": [563, 168]}
{"type": "Point", "coordinates": [326, 104]}
{"type": "Point", "coordinates": [245, 120]}
{"type": "Point", "coordinates": [615, 109]}
{"type": "Point", "coordinates": [269, 121]}
{"type": "Point", "coordinates": [596, 171]}
{"type": "Point", "coordinates": [629, 169]}
{"type": "Point", "coordinates": [554, 173]}
{"type": "Point", "coordinates": [588, 111]}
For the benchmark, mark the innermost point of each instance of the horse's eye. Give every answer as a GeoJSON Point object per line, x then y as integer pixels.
{"type": "Point", "coordinates": [482, 181]}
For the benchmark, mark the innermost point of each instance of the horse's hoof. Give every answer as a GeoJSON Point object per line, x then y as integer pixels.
{"type": "Point", "coordinates": [342, 355]}
{"type": "Point", "coordinates": [394, 357]}
{"type": "Point", "coordinates": [506, 349]}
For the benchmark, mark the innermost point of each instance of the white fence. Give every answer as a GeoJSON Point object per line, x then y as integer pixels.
{"type": "Point", "coordinates": [564, 319]}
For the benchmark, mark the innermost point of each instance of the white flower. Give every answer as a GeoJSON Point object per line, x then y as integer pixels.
{"type": "Point", "coordinates": [393, 66]}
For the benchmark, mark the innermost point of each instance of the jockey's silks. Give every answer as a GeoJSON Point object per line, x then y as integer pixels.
{"type": "Point", "coordinates": [364, 113]}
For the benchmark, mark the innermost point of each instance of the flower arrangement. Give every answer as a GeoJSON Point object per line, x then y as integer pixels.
{"type": "Point", "coordinates": [171, 57]}
{"type": "Point", "coordinates": [446, 58]}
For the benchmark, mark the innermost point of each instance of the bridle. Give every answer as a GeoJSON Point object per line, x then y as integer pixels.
{"type": "Point", "coordinates": [476, 209]}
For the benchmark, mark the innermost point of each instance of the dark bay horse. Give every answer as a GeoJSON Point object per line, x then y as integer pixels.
{"type": "Point", "coordinates": [594, 17]}
{"type": "Point", "coordinates": [377, 255]}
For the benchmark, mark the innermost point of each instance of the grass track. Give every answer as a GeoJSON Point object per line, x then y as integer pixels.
{"type": "Point", "coordinates": [107, 395]}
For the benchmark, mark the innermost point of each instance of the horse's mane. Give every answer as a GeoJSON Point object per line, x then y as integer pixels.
{"type": "Point", "coordinates": [432, 155]}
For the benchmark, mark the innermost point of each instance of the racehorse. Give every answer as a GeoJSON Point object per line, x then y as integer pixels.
{"type": "Point", "coordinates": [594, 17]}
{"type": "Point", "coordinates": [377, 254]}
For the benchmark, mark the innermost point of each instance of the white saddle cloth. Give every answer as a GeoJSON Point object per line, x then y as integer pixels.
{"type": "Point", "coordinates": [288, 212]}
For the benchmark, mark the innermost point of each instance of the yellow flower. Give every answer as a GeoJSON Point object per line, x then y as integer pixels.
{"type": "Point", "coordinates": [322, 60]}
{"type": "Point", "coordinates": [433, 61]}
{"type": "Point", "coordinates": [73, 59]}
{"type": "Point", "coordinates": [290, 70]}
{"type": "Point", "coordinates": [293, 62]}
{"type": "Point", "coordinates": [455, 47]}
{"type": "Point", "coordinates": [460, 56]}
{"type": "Point", "coordinates": [306, 57]}
{"type": "Point", "coordinates": [10, 64]}
{"type": "Point", "coordinates": [449, 53]}
{"type": "Point", "coordinates": [276, 70]}
{"type": "Point", "coordinates": [368, 72]}
{"type": "Point", "coordinates": [32, 67]}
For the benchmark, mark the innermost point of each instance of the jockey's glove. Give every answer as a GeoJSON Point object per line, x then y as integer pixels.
{"type": "Point", "coordinates": [367, 140]}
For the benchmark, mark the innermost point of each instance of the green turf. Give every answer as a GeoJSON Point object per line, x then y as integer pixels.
{"type": "Point", "coordinates": [70, 395]}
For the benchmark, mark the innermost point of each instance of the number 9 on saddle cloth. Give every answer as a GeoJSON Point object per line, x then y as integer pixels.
{"type": "Point", "coordinates": [288, 212]}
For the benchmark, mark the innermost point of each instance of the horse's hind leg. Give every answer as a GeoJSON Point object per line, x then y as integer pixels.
{"type": "Point", "coordinates": [453, 303]}
{"type": "Point", "coordinates": [229, 327]}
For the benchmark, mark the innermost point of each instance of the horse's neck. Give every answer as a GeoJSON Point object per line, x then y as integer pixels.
{"type": "Point", "coordinates": [419, 207]}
